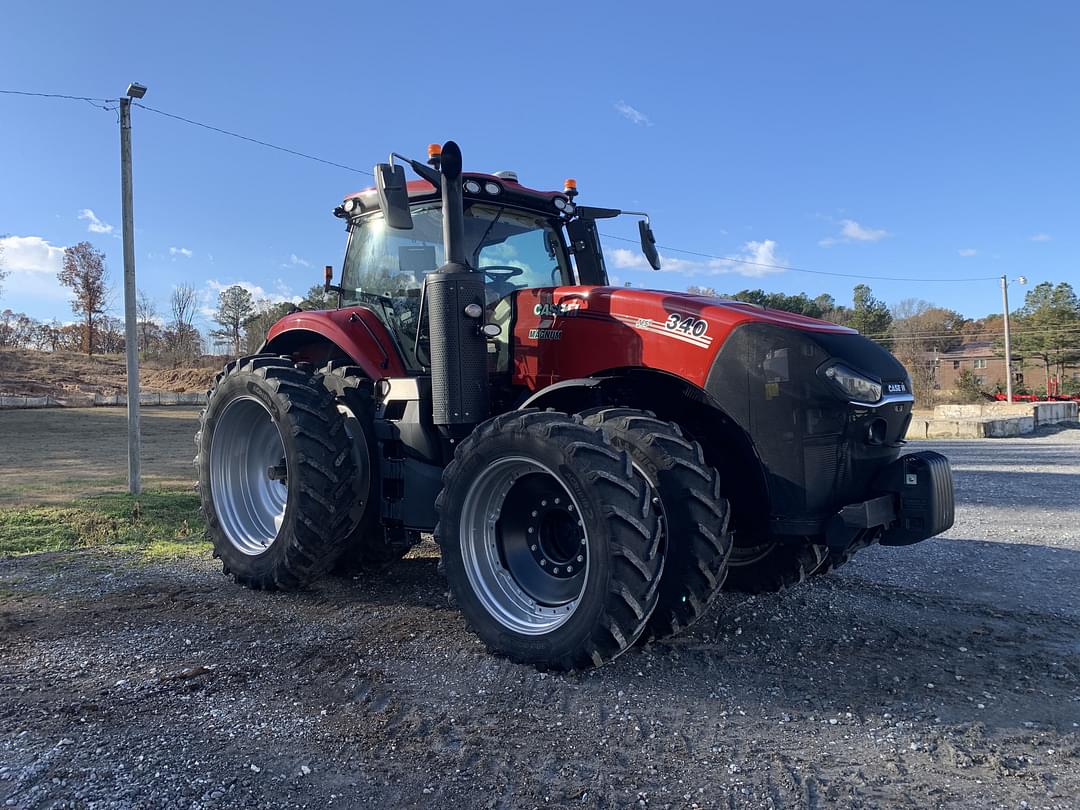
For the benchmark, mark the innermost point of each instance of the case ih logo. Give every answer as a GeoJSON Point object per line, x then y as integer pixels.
{"type": "Point", "coordinates": [897, 388]}
{"type": "Point", "coordinates": [555, 310]}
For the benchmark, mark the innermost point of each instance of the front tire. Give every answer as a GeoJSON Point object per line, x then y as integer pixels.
{"type": "Point", "coordinates": [276, 473]}
{"type": "Point", "coordinates": [695, 514]}
{"type": "Point", "coordinates": [550, 541]}
{"type": "Point", "coordinates": [772, 565]}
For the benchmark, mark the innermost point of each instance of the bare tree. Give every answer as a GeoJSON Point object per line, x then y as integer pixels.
{"type": "Point", "coordinates": [85, 273]}
{"type": "Point", "coordinates": [186, 340]}
{"type": "Point", "coordinates": [235, 307]}
{"type": "Point", "coordinates": [146, 317]}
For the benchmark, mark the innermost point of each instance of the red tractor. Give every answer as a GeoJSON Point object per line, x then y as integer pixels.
{"type": "Point", "coordinates": [596, 463]}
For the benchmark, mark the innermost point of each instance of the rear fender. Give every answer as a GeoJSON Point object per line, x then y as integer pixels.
{"type": "Point", "coordinates": [355, 333]}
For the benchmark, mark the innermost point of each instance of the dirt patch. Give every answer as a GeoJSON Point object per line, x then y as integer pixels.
{"type": "Point", "coordinates": [61, 374]}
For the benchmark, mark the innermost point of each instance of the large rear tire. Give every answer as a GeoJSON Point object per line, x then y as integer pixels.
{"type": "Point", "coordinates": [369, 547]}
{"type": "Point", "coordinates": [276, 473]}
{"type": "Point", "coordinates": [550, 541]}
{"type": "Point", "coordinates": [694, 514]}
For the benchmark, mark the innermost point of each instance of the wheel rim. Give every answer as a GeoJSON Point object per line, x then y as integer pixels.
{"type": "Point", "coordinates": [524, 545]}
{"type": "Point", "coordinates": [248, 475]}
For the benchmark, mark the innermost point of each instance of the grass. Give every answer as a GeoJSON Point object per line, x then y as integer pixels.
{"type": "Point", "coordinates": [157, 524]}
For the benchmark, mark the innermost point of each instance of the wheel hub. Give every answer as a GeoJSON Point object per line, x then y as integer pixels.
{"type": "Point", "coordinates": [248, 475]}
{"type": "Point", "coordinates": [524, 545]}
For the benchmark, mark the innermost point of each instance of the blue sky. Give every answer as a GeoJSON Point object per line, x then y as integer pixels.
{"type": "Point", "coordinates": [925, 140]}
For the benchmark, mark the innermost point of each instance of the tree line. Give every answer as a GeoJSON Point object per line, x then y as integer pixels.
{"type": "Point", "coordinates": [1046, 328]}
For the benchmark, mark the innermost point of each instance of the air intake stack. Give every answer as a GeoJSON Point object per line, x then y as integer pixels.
{"type": "Point", "coordinates": [459, 376]}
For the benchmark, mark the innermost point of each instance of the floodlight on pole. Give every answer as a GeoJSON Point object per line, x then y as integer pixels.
{"type": "Point", "coordinates": [131, 335]}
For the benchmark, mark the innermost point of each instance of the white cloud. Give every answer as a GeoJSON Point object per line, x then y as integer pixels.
{"type": "Point", "coordinates": [33, 264]}
{"type": "Point", "coordinates": [632, 115]}
{"type": "Point", "coordinates": [1041, 237]}
{"type": "Point", "coordinates": [181, 251]}
{"type": "Point", "coordinates": [755, 259]}
{"type": "Point", "coordinates": [296, 261]}
{"type": "Point", "coordinates": [967, 251]}
{"type": "Point", "coordinates": [852, 231]}
{"type": "Point", "coordinates": [94, 225]}
{"type": "Point", "coordinates": [31, 254]}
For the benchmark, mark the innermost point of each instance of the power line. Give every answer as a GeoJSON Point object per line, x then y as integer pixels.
{"type": "Point", "coordinates": [799, 269]}
{"type": "Point", "coordinates": [732, 259]}
{"type": "Point", "coordinates": [101, 103]}
{"type": "Point", "coordinates": [252, 140]}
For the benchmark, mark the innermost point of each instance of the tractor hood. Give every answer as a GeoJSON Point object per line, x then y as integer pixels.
{"type": "Point", "coordinates": [740, 311]}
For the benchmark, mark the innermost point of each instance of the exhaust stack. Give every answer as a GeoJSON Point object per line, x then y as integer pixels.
{"type": "Point", "coordinates": [459, 375]}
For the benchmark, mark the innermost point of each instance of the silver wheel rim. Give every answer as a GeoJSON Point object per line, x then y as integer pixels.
{"type": "Point", "coordinates": [509, 598]}
{"type": "Point", "coordinates": [249, 503]}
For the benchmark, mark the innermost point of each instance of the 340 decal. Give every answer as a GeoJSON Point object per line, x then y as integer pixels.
{"type": "Point", "coordinates": [687, 324]}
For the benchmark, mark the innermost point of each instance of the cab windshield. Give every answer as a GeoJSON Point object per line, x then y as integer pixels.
{"type": "Point", "coordinates": [519, 250]}
{"type": "Point", "coordinates": [385, 267]}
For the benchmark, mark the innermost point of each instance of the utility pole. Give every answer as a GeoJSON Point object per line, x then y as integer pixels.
{"type": "Point", "coordinates": [131, 339]}
{"type": "Point", "coordinates": [1008, 341]}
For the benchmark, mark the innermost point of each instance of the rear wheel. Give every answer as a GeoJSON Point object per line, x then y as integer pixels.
{"type": "Point", "coordinates": [772, 565]}
{"type": "Point", "coordinates": [275, 473]}
{"type": "Point", "coordinates": [369, 547]}
{"type": "Point", "coordinates": [694, 514]}
{"type": "Point", "coordinates": [550, 541]}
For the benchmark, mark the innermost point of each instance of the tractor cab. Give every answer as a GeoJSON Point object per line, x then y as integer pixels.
{"type": "Point", "coordinates": [515, 240]}
{"type": "Point", "coordinates": [516, 237]}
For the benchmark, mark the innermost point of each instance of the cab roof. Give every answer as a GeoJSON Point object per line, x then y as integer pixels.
{"type": "Point", "coordinates": [510, 192]}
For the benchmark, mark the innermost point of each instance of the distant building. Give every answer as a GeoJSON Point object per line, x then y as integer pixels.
{"type": "Point", "coordinates": [982, 360]}
{"type": "Point", "coordinates": [986, 362]}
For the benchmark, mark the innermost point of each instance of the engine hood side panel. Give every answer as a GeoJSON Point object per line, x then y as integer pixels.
{"type": "Point", "coordinates": [567, 332]}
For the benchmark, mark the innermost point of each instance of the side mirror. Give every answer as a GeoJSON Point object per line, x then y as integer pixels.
{"type": "Point", "coordinates": [393, 196]}
{"type": "Point", "coordinates": [648, 244]}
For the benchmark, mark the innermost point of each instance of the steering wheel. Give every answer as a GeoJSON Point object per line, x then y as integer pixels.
{"type": "Point", "coordinates": [501, 272]}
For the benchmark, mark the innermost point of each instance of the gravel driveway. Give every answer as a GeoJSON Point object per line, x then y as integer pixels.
{"type": "Point", "coordinates": [946, 674]}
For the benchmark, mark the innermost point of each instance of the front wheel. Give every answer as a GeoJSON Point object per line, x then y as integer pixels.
{"type": "Point", "coordinates": [770, 565]}
{"type": "Point", "coordinates": [550, 540]}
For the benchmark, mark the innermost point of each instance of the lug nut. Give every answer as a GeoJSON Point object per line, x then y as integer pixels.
{"type": "Point", "coordinates": [543, 503]}
{"type": "Point", "coordinates": [555, 570]}
{"type": "Point", "coordinates": [531, 530]}
{"type": "Point", "coordinates": [569, 569]}
{"type": "Point", "coordinates": [533, 547]}
{"type": "Point", "coordinates": [556, 500]}
{"type": "Point", "coordinates": [534, 513]}
{"type": "Point", "coordinates": [543, 562]}
{"type": "Point", "coordinates": [580, 558]}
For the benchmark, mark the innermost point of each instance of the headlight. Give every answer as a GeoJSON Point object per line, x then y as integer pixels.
{"type": "Point", "coordinates": [492, 188]}
{"type": "Point", "coordinates": [856, 386]}
{"type": "Point", "coordinates": [472, 187]}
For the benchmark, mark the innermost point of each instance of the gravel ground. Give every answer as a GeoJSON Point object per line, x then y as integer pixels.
{"type": "Point", "coordinates": [939, 675]}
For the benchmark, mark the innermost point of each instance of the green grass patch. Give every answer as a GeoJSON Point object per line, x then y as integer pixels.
{"type": "Point", "coordinates": [159, 523]}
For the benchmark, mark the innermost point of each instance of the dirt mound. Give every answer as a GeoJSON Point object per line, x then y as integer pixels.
{"type": "Point", "coordinates": [60, 374]}
{"type": "Point", "coordinates": [178, 380]}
